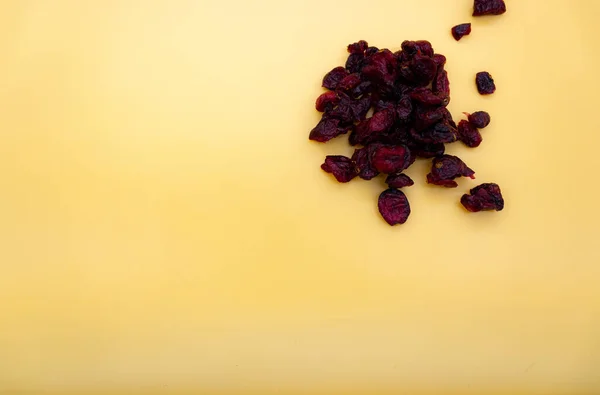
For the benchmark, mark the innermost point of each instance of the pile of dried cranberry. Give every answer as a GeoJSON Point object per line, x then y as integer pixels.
{"type": "Point", "coordinates": [407, 93]}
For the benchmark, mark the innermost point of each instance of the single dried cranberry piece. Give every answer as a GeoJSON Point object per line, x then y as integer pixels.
{"type": "Point", "coordinates": [349, 82]}
{"type": "Point", "coordinates": [426, 117]}
{"type": "Point", "coordinates": [326, 129]}
{"type": "Point", "coordinates": [446, 168]}
{"type": "Point", "coordinates": [362, 159]}
{"type": "Point", "coordinates": [423, 69]}
{"type": "Point", "coordinates": [381, 67]}
{"type": "Point", "coordinates": [485, 83]}
{"type": "Point", "coordinates": [489, 7]}
{"type": "Point", "coordinates": [439, 60]}
{"type": "Point", "coordinates": [427, 97]}
{"type": "Point", "coordinates": [391, 159]}
{"type": "Point", "coordinates": [358, 47]}
{"type": "Point", "coordinates": [370, 51]}
{"type": "Point", "coordinates": [485, 197]}
{"type": "Point", "coordinates": [327, 101]}
{"type": "Point", "coordinates": [428, 150]}
{"type": "Point", "coordinates": [439, 133]}
{"type": "Point", "coordinates": [409, 48]}
{"type": "Point", "coordinates": [355, 62]}
{"type": "Point", "coordinates": [341, 167]}
{"type": "Point", "coordinates": [479, 119]}
{"type": "Point", "coordinates": [393, 206]}
{"type": "Point", "coordinates": [468, 134]}
{"type": "Point", "coordinates": [399, 180]}
{"type": "Point", "coordinates": [424, 47]}
{"type": "Point", "coordinates": [350, 110]}
{"type": "Point", "coordinates": [333, 78]}
{"type": "Point", "coordinates": [441, 86]}
{"type": "Point", "coordinates": [404, 109]}
{"type": "Point", "coordinates": [459, 31]}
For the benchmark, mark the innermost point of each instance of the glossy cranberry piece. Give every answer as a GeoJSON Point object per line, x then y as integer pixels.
{"type": "Point", "coordinates": [341, 167]}
{"type": "Point", "coordinates": [485, 197]}
{"type": "Point", "coordinates": [327, 101]}
{"type": "Point", "coordinates": [391, 159]}
{"type": "Point", "coordinates": [399, 180]}
{"type": "Point", "coordinates": [468, 134]}
{"type": "Point", "coordinates": [393, 206]}
{"type": "Point", "coordinates": [459, 31]}
{"type": "Point", "coordinates": [333, 78]}
{"type": "Point", "coordinates": [362, 160]}
{"type": "Point", "coordinates": [489, 7]}
{"type": "Point", "coordinates": [446, 168]}
{"type": "Point", "coordinates": [479, 119]}
{"type": "Point", "coordinates": [485, 83]}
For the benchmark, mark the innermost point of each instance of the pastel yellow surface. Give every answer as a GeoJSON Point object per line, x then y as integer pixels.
{"type": "Point", "coordinates": [165, 226]}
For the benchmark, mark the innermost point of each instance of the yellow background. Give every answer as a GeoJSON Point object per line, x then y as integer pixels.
{"type": "Point", "coordinates": [165, 226]}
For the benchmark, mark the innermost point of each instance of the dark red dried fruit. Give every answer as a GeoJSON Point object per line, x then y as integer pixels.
{"type": "Point", "coordinates": [436, 134]}
{"type": "Point", "coordinates": [427, 97]}
{"type": "Point", "coordinates": [333, 78]}
{"type": "Point", "coordinates": [479, 119]}
{"type": "Point", "coordinates": [393, 206]}
{"type": "Point", "coordinates": [485, 83]}
{"type": "Point", "coordinates": [404, 109]}
{"type": "Point", "coordinates": [341, 167]}
{"type": "Point", "coordinates": [399, 180]}
{"type": "Point", "coordinates": [349, 82]}
{"type": "Point", "coordinates": [468, 134]}
{"type": "Point", "coordinates": [428, 150]}
{"type": "Point", "coordinates": [362, 159]}
{"type": "Point", "coordinates": [327, 101]}
{"type": "Point", "coordinates": [439, 60]}
{"type": "Point", "coordinates": [485, 197]}
{"type": "Point", "coordinates": [441, 86]}
{"type": "Point", "coordinates": [459, 31]}
{"type": "Point", "coordinates": [423, 69]}
{"type": "Point", "coordinates": [380, 68]}
{"type": "Point", "coordinates": [489, 7]}
{"type": "Point", "coordinates": [446, 168]}
{"type": "Point", "coordinates": [391, 159]}
{"type": "Point", "coordinates": [358, 47]}
{"type": "Point", "coordinates": [326, 129]}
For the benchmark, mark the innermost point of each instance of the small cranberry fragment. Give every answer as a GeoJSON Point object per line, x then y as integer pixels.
{"type": "Point", "coordinates": [333, 78]}
{"type": "Point", "coordinates": [399, 180]}
{"type": "Point", "coordinates": [327, 101]}
{"type": "Point", "coordinates": [349, 82]}
{"type": "Point", "coordinates": [441, 86]}
{"type": "Point", "coordinates": [439, 60]}
{"type": "Point", "coordinates": [393, 206]}
{"type": "Point", "coordinates": [391, 159]}
{"type": "Point", "coordinates": [446, 168]}
{"type": "Point", "coordinates": [362, 159]}
{"type": "Point", "coordinates": [468, 134]}
{"type": "Point", "coordinates": [358, 47]}
{"type": "Point", "coordinates": [485, 197]}
{"type": "Point", "coordinates": [489, 7]}
{"type": "Point", "coordinates": [459, 31]}
{"type": "Point", "coordinates": [341, 167]}
{"type": "Point", "coordinates": [326, 129]}
{"type": "Point", "coordinates": [485, 83]}
{"type": "Point", "coordinates": [479, 119]}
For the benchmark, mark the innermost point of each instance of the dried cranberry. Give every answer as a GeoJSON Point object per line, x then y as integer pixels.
{"type": "Point", "coordinates": [424, 47]}
{"type": "Point", "coordinates": [446, 168]}
{"type": "Point", "coordinates": [393, 206]}
{"type": "Point", "coordinates": [479, 119]}
{"type": "Point", "coordinates": [326, 129]}
{"type": "Point", "coordinates": [355, 62]}
{"type": "Point", "coordinates": [489, 7]}
{"type": "Point", "coordinates": [485, 197]}
{"type": "Point", "coordinates": [468, 134]}
{"type": "Point", "coordinates": [404, 109]}
{"type": "Point", "coordinates": [427, 97]}
{"type": "Point", "coordinates": [349, 82]}
{"type": "Point", "coordinates": [350, 110]}
{"type": "Point", "coordinates": [439, 133]}
{"type": "Point", "coordinates": [358, 47]}
{"type": "Point", "coordinates": [441, 86]}
{"type": "Point", "coordinates": [439, 60]}
{"type": "Point", "coordinates": [341, 167]}
{"type": "Point", "coordinates": [459, 31]}
{"type": "Point", "coordinates": [423, 69]}
{"type": "Point", "coordinates": [333, 78]}
{"type": "Point", "coordinates": [391, 159]}
{"type": "Point", "coordinates": [428, 150]}
{"type": "Point", "coordinates": [426, 117]}
{"type": "Point", "coordinates": [399, 180]}
{"type": "Point", "coordinates": [327, 101]}
{"type": "Point", "coordinates": [485, 83]}
{"type": "Point", "coordinates": [381, 67]}
{"type": "Point", "coordinates": [362, 159]}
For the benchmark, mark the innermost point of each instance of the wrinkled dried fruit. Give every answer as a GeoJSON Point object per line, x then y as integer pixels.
{"type": "Point", "coordinates": [485, 197]}
{"type": "Point", "coordinates": [333, 78]}
{"type": "Point", "coordinates": [393, 206]}
{"type": "Point", "coordinates": [341, 167]}
{"type": "Point", "coordinates": [446, 168]}
{"type": "Point", "coordinates": [326, 129]}
{"type": "Point", "coordinates": [459, 31]}
{"type": "Point", "coordinates": [391, 159]}
{"type": "Point", "coordinates": [399, 180]}
{"type": "Point", "coordinates": [327, 101]}
{"type": "Point", "coordinates": [362, 159]}
{"type": "Point", "coordinates": [479, 119]}
{"type": "Point", "coordinates": [485, 83]}
{"type": "Point", "coordinates": [468, 134]}
{"type": "Point", "coordinates": [489, 7]}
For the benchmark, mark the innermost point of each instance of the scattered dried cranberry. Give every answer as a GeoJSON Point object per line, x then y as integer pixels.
{"type": "Point", "coordinates": [459, 31]}
{"type": "Point", "coordinates": [391, 159]}
{"type": "Point", "coordinates": [485, 197]}
{"type": "Point", "coordinates": [341, 167]}
{"type": "Point", "coordinates": [468, 134]}
{"type": "Point", "coordinates": [489, 7]}
{"type": "Point", "coordinates": [362, 159]}
{"type": "Point", "coordinates": [399, 180]}
{"type": "Point", "coordinates": [327, 101]}
{"type": "Point", "coordinates": [479, 119]}
{"type": "Point", "coordinates": [326, 129]}
{"type": "Point", "coordinates": [485, 83]}
{"type": "Point", "coordinates": [333, 78]}
{"type": "Point", "coordinates": [446, 168]}
{"type": "Point", "coordinates": [393, 206]}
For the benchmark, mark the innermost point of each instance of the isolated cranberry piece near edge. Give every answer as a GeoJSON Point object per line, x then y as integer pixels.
{"type": "Point", "coordinates": [459, 31]}
{"type": "Point", "coordinates": [488, 7]}
{"type": "Point", "coordinates": [468, 134]}
{"type": "Point", "coordinates": [485, 83]}
{"type": "Point", "coordinates": [341, 167]}
{"type": "Point", "coordinates": [485, 197]}
{"type": "Point", "coordinates": [479, 119]}
{"type": "Point", "coordinates": [393, 206]}
{"type": "Point", "coordinates": [399, 180]}
{"type": "Point", "coordinates": [446, 168]}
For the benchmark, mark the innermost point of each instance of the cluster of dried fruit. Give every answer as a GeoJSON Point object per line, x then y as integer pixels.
{"type": "Point", "coordinates": [408, 92]}
{"type": "Point", "coordinates": [480, 8]}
